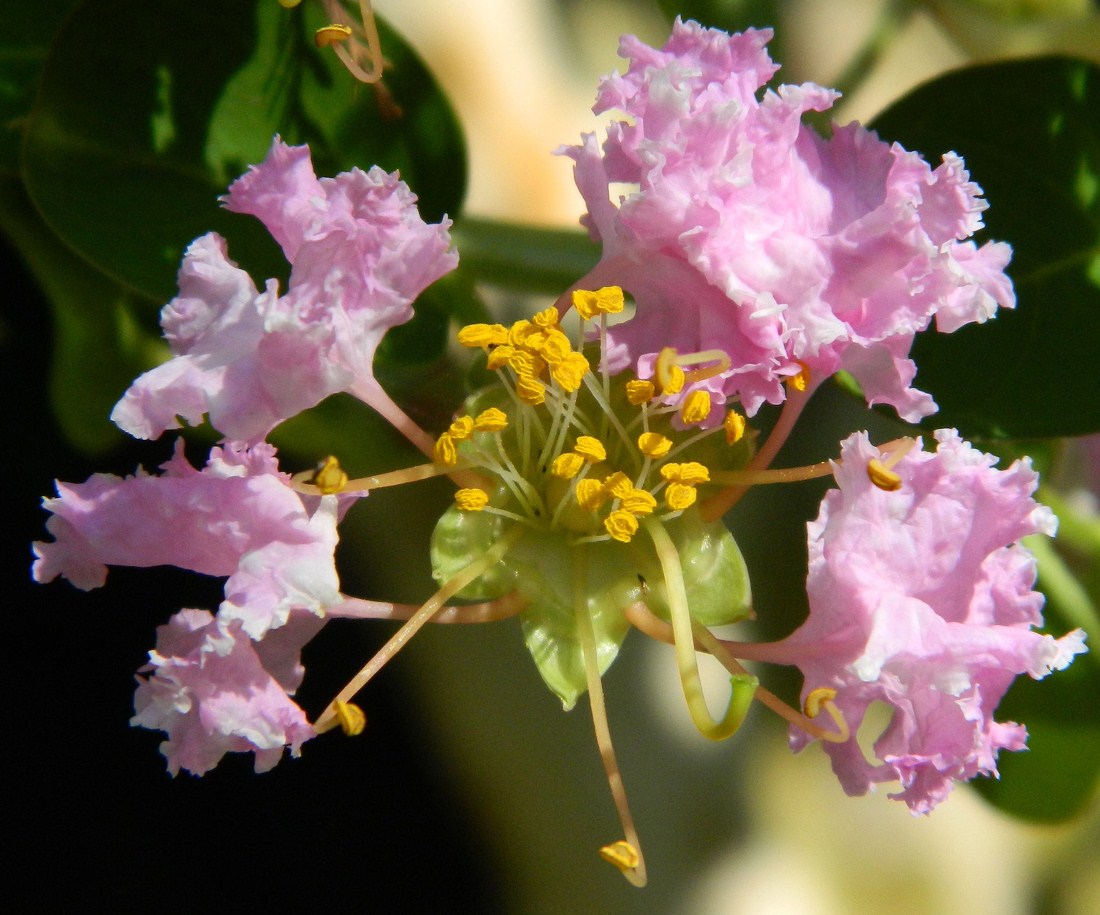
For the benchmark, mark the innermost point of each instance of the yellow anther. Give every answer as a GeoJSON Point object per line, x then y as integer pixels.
{"type": "Point", "coordinates": [696, 407]}
{"type": "Point", "coordinates": [350, 717]}
{"type": "Point", "coordinates": [735, 427]}
{"type": "Point", "coordinates": [638, 502]}
{"type": "Point", "coordinates": [591, 449]}
{"type": "Point", "coordinates": [331, 34]}
{"type": "Point", "coordinates": [882, 477]}
{"type": "Point", "coordinates": [471, 500]}
{"type": "Point", "coordinates": [639, 392]}
{"type": "Point", "coordinates": [801, 381]}
{"type": "Point", "coordinates": [520, 331]}
{"type": "Point", "coordinates": [654, 445]}
{"type": "Point", "coordinates": [679, 496]}
{"type": "Point", "coordinates": [567, 465]}
{"type": "Point", "coordinates": [547, 318]}
{"type": "Point", "coordinates": [491, 420]}
{"type": "Point", "coordinates": [618, 484]}
{"type": "Point", "coordinates": [621, 525]}
{"type": "Point", "coordinates": [289, 4]}
{"type": "Point", "coordinates": [445, 452]}
{"type": "Point", "coordinates": [555, 347]}
{"type": "Point", "coordinates": [570, 372]}
{"type": "Point", "coordinates": [329, 477]}
{"type": "Point", "coordinates": [668, 374]}
{"type": "Point", "coordinates": [622, 854]}
{"type": "Point", "coordinates": [816, 699]}
{"type": "Point", "coordinates": [500, 356]}
{"type": "Point", "coordinates": [607, 300]}
{"type": "Point", "coordinates": [478, 335]}
{"type": "Point", "coordinates": [462, 428]}
{"type": "Point", "coordinates": [530, 390]}
{"type": "Point", "coordinates": [690, 472]}
{"type": "Point", "coordinates": [525, 363]}
{"type": "Point", "coordinates": [590, 494]}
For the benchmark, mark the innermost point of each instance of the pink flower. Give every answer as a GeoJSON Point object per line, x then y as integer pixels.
{"type": "Point", "coordinates": [237, 517]}
{"type": "Point", "coordinates": [749, 233]}
{"type": "Point", "coordinates": [360, 255]}
{"type": "Point", "coordinates": [921, 598]}
{"type": "Point", "coordinates": [209, 687]}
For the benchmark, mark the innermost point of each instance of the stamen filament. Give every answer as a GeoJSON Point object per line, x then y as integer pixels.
{"type": "Point", "coordinates": [743, 685]}
{"type": "Point", "coordinates": [485, 612]}
{"type": "Point", "coordinates": [636, 874]}
{"type": "Point", "coordinates": [782, 475]}
{"type": "Point", "coordinates": [424, 614]}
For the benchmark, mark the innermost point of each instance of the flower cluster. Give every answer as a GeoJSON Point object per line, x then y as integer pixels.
{"type": "Point", "coordinates": [761, 259]}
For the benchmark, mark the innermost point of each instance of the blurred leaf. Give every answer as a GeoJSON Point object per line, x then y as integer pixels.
{"type": "Point", "coordinates": [149, 107]}
{"type": "Point", "coordinates": [1030, 134]}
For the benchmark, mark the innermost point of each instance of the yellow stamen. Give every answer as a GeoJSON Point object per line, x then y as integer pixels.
{"type": "Point", "coordinates": [638, 502]}
{"type": "Point", "coordinates": [526, 363]}
{"type": "Point", "coordinates": [471, 499]}
{"type": "Point", "coordinates": [520, 331]}
{"type": "Point", "coordinates": [691, 472]}
{"type": "Point", "coordinates": [817, 697]}
{"type": "Point", "coordinates": [480, 335]}
{"type": "Point", "coordinates": [822, 698]}
{"type": "Point", "coordinates": [618, 484]}
{"type": "Point", "coordinates": [591, 449]}
{"type": "Point", "coordinates": [735, 427]}
{"type": "Point", "coordinates": [331, 34]}
{"type": "Point", "coordinates": [801, 381]}
{"type": "Point", "coordinates": [622, 854]}
{"type": "Point", "coordinates": [462, 428]}
{"type": "Point", "coordinates": [570, 372]}
{"type": "Point", "coordinates": [530, 390]}
{"type": "Point", "coordinates": [491, 420]}
{"type": "Point", "coordinates": [721, 363]}
{"type": "Point", "coordinates": [679, 496]}
{"type": "Point", "coordinates": [590, 494]}
{"type": "Point", "coordinates": [621, 525]}
{"type": "Point", "coordinates": [881, 477]}
{"type": "Point", "coordinates": [547, 318]}
{"type": "Point", "coordinates": [607, 300]}
{"type": "Point", "coordinates": [350, 718]}
{"type": "Point", "coordinates": [696, 407]}
{"type": "Point", "coordinates": [639, 392]}
{"type": "Point", "coordinates": [329, 476]}
{"type": "Point", "coordinates": [654, 445]}
{"type": "Point", "coordinates": [500, 356]}
{"type": "Point", "coordinates": [555, 347]}
{"type": "Point", "coordinates": [445, 452]}
{"type": "Point", "coordinates": [567, 465]}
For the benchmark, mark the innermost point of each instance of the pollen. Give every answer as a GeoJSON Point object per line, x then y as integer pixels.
{"type": "Point", "coordinates": [639, 392]}
{"type": "Point", "coordinates": [462, 428]}
{"type": "Point", "coordinates": [638, 502]}
{"type": "Point", "coordinates": [607, 300]}
{"type": "Point", "coordinates": [547, 318]}
{"type": "Point", "coordinates": [591, 449]}
{"type": "Point", "coordinates": [445, 452]}
{"type": "Point", "coordinates": [696, 407]}
{"type": "Point", "coordinates": [622, 854]}
{"type": "Point", "coordinates": [690, 472]}
{"type": "Point", "coordinates": [621, 525]}
{"type": "Point", "coordinates": [501, 356]}
{"type": "Point", "coordinates": [618, 484]}
{"type": "Point", "coordinates": [331, 34]}
{"type": "Point", "coordinates": [350, 717]}
{"type": "Point", "coordinates": [482, 335]}
{"type": "Point", "coordinates": [491, 420]}
{"type": "Point", "coordinates": [669, 375]}
{"type": "Point", "coordinates": [735, 427]}
{"type": "Point", "coordinates": [567, 465]}
{"type": "Point", "coordinates": [329, 476]}
{"type": "Point", "coordinates": [679, 496]}
{"type": "Point", "coordinates": [530, 390]}
{"type": "Point", "coordinates": [882, 477]}
{"type": "Point", "coordinates": [590, 494]}
{"type": "Point", "coordinates": [654, 445]}
{"type": "Point", "coordinates": [816, 699]}
{"type": "Point", "coordinates": [471, 500]}
{"type": "Point", "coordinates": [801, 381]}
{"type": "Point", "coordinates": [570, 372]}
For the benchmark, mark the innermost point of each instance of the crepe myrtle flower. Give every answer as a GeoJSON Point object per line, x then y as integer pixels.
{"type": "Point", "coordinates": [594, 460]}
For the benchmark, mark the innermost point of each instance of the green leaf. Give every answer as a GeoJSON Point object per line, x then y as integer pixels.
{"type": "Point", "coordinates": [1030, 134]}
{"type": "Point", "coordinates": [149, 107]}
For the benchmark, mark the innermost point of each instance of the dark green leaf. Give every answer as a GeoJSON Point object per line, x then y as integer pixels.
{"type": "Point", "coordinates": [149, 107]}
{"type": "Point", "coordinates": [1030, 134]}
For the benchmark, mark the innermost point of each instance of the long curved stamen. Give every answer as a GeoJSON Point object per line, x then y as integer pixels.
{"type": "Point", "coordinates": [626, 855]}
{"type": "Point", "coordinates": [485, 612]}
{"type": "Point", "coordinates": [434, 605]}
{"type": "Point", "coordinates": [742, 684]}
{"type": "Point", "coordinates": [781, 475]}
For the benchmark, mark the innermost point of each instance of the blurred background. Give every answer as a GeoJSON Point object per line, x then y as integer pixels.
{"type": "Point", "coordinates": [471, 790]}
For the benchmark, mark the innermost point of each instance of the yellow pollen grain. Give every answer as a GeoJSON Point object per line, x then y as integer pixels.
{"type": "Point", "coordinates": [816, 699]}
{"type": "Point", "coordinates": [618, 484]}
{"type": "Point", "coordinates": [525, 363]}
{"type": "Point", "coordinates": [679, 496]}
{"type": "Point", "coordinates": [801, 381]}
{"type": "Point", "coordinates": [590, 494]}
{"type": "Point", "coordinates": [696, 407]}
{"type": "Point", "coordinates": [500, 356]}
{"type": "Point", "coordinates": [331, 34]}
{"type": "Point", "coordinates": [471, 500]}
{"type": "Point", "coordinates": [350, 717]}
{"type": "Point", "coordinates": [555, 347]}
{"type": "Point", "coordinates": [445, 452]}
{"type": "Point", "coordinates": [621, 525]}
{"type": "Point", "coordinates": [735, 427]}
{"type": "Point", "coordinates": [567, 465]}
{"type": "Point", "coordinates": [462, 428]}
{"type": "Point", "coordinates": [606, 300]}
{"type": "Point", "coordinates": [570, 372]}
{"type": "Point", "coordinates": [329, 476]}
{"type": "Point", "coordinates": [491, 420]}
{"type": "Point", "coordinates": [591, 449]}
{"type": "Point", "coordinates": [881, 477]}
{"type": "Point", "coordinates": [668, 374]}
{"type": "Point", "coordinates": [520, 331]}
{"type": "Point", "coordinates": [480, 335]}
{"type": "Point", "coordinates": [530, 390]}
{"type": "Point", "coordinates": [690, 472]}
{"type": "Point", "coordinates": [638, 502]}
{"type": "Point", "coordinates": [547, 318]}
{"type": "Point", "coordinates": [654, 445]}
{"type": "Point", "coordinates": [622, 854]}
{"type": "Point", "coordinates": [676, 381]}
{"type": "Point", "coordinates": [639, 392]}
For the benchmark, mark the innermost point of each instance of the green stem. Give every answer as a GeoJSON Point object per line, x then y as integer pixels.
{"type": "Point", "coordinates": [1061, 586]}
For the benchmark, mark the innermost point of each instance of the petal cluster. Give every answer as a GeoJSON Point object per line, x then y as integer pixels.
{"type": "Point", "coordinates": [215, 691]}
{"type": "Point", "coordinates": [360, 254]}
{"type": "Point", "coordinates": [237, 517]}
{"type": "Point", "coordinates": [746, 231]}
{"type": "Point", "coordinates": [921, 598]}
